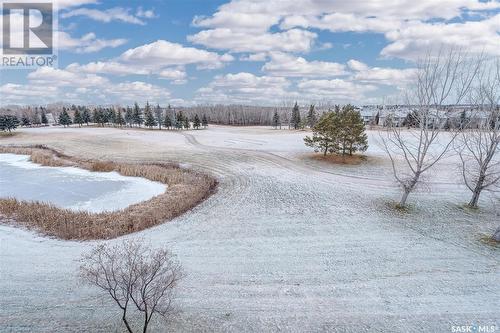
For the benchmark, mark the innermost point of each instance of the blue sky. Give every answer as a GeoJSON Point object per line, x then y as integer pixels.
{"type": "Point", "coordinates": [248, 52]}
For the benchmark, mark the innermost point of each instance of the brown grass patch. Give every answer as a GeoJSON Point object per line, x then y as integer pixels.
{"type": "Point", "coordinates": [339, 159]}
{"type": "Point", "coordinates": [186, 189]}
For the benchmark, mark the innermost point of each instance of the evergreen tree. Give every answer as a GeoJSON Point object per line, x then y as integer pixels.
{"type": "Point", "coordinates": [187, 124]}
{"type": "Point", "coordinates": [35, 120]}
{"type": "Point", "coordinates": [64, 118]}
{"type": "Point", "coordinates": [119, 119]}
{"type": "Point", "coordinates": [352, 131]}
{"type": "Point", "coordinates": [8, 123]}
{"type": "Point", "coordinates": [86, 116]}
{"type": "Point", "coordinates": [196, 122]}
{"type": "Point", "coordinates": [204, 121]}
{"type": "Point", "coordinates": [111, 116]}
{"type": "Point", "coordinates": [150, 120]}
{"type": "Point", "coordinates": [325, 134]}
{"type": "Point", "coordinates": [25, 121]}
{"type": "Point", "coordinates": [44, 119]}
{"type": "Point", "coordinates": [77, 118]}
{"type": "Point", "coordinates": [129, 116]}
{"type": "Point", "coordinates": [159, 115]}
{"type": "Point", "coordinates": [411, 120]}
{"type": "Point", "coordinates": [276, 119]}
{"type": "Point", "coordinates": [96, 118]}
{"type": "Point", "coordinates": [180, 117]}
{"type": "Point", "coordinates": [464, 120]}
{"type": "Point", "coordinates": [340, 132]}
{"type": "Point", "coordinates": [167, 122]}
{"type": "Point", "coordinates": [295, 121]}
{"type": "Point", "coordinates": [377, 118]}
{"type": "Point", "coordinates": [137, 115]}
{"type": "Point", "coordinates": [311, 116]}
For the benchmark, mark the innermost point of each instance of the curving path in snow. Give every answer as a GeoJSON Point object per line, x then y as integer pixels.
{"type": "Point", "coordinates": [286, 244]}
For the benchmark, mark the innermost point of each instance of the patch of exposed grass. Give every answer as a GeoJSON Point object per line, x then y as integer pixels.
{"type": "Point", "coordinates": [7, 134]}
{"type": "Point", "coordinates": [488, 240]}
{"type": "Point", "coordinates": [397, 208]}
{"type": "Point", "coordinates": [186, 189]}
{"type": "Point", "coordinates": [339, 159]}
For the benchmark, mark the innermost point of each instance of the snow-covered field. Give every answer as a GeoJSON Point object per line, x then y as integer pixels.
{"type": "Point", "coordinates": [72, 188]}
{"type": "Point", "coordinates": [286, 244]}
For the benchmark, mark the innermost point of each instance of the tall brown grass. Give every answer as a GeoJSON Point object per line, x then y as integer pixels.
{"type": "Point", "coordinates": [186, 189]}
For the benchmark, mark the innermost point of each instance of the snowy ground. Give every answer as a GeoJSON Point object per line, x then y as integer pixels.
{"type": "Point", "coordinates": [286, 244]}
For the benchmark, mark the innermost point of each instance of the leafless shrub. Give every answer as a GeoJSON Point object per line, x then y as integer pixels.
{"type": "Point", "coordinates": [186, 189]}
{"type": "Point", "coordinates": [137, 278]}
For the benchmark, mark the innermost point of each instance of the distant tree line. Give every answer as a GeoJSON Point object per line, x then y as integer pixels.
{"type": "Point", "coordinates": [148, 117]}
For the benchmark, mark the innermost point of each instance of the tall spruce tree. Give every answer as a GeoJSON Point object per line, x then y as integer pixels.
{"type": "Point", "coordinates": [25, 121]}
{"type": "Point", "coordinates": [86, 116]}
{"type": "Point", "coordinates": [204, 121]}
{"type": "Point", "coordinates": [167, 123]}
{"type": "Point", "coordinates": [196, 122]}
{"type": "Point", "coordinates": [44, 119]}
{"type": "Point", "coordinates": [64, 118]}
{"type": "Point", "coordinates": [159, 115]}
{"type": "Point", "coordinates": [311, 116]}
{"type": "Point", "coordinates": [129, 116]}
{"type": "Point", "coordinates": [295, 120]}
{"type": "Point", "coordinates": [276, 119]}
{"type": "Point", "coordinates": [137, 115]}
{"type": "Point", "coordinates": [77, 118]}
{"type": "Point", "coordinates": [119, 118]}
{"type": "Point", "coordinates": [186, 124]}
{"type": "Point", "coordinates": [150, 120]}
{"type": "Point", "coordinates": [178, 120]}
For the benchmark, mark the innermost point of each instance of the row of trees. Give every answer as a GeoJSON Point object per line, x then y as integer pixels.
{"type": "Point", "coordinates": [341, 131]}
{"type": "Point", "coordinates": [150, 117]}
{"type": "Point", "coordinates": [296, 121]}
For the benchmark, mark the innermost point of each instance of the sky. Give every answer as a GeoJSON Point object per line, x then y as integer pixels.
{"type": "Point", "coordinates": [270, 52]}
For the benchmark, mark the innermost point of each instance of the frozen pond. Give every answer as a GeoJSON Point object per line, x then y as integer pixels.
{"type": "Point", "coordinates": [72, 188]}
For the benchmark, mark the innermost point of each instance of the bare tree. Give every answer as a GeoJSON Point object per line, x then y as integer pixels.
{"type": "Point", "coordinates": [136, 277]}
{"type": "Point", "coordinates": [441, 81]}
{"type": "Point", "coordinates": [479, 145]}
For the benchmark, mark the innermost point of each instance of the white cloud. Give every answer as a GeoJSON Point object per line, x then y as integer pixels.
{"type": "Point", "coordinates": [107, 67]}
{"type": "Point", "coordinates": [109, 15]}
{"type": "Point", "coordinates": [244, 88]}
{"type": "Point", "coordinates": [145, 13]}
{"type": "Point", "coordinates": [380, 75]}
{"type": "Point", "coordinates": [294, 40]}
{"type": "Point", "coordinates": [287, 65]}
{"type": "Point", "coordinates": [164, 53]}
{"type": "Point", "coordinates": [246, 25]}
{"type": "Point", "coordinates": [262, 56]}
{"type": "Point", "coordinates": [335, 90]}
{"type": "Point", "coordinates": [73, 3]}
{"type": "Point", "coordinates": [60, 77]}
{"type": "Point", "coordinates": [49, 85]}
{"type": "Point", "coordinates": [86, 44]}
{"type": "Point", "coordinates": [416, 38]}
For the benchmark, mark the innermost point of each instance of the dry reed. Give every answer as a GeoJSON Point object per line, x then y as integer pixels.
{"type": "Point", "coordinates": [186, 189]}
